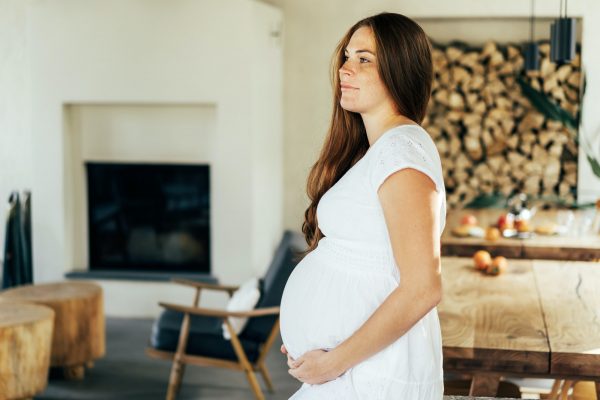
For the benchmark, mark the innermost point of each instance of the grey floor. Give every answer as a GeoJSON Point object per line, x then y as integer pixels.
{"type": "Point", "coordinates": [127, 373]}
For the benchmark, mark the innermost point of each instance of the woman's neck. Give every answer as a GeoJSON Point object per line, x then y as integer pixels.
{"type": "Point", "coordinates": [376, 124]}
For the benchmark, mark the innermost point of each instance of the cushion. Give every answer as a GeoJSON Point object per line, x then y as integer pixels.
{"type": "Point", "coordinates": [243, 299]}
{"type": "Point", "coordinates": [282, 264]}
{"type": "Point", "coordinates": [205, 337]}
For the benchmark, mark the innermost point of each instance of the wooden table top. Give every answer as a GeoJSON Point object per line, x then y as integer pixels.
{"type": "Point", "coordinates": [585, 247]}
{"type": "Point", "coordinates": [539, 318]}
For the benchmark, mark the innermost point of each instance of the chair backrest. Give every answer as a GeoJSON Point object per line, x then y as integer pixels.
{"type": "Point", "coordinates": [284, 260]}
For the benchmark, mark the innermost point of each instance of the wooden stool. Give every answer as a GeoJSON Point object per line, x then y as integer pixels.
{"type": "Point", "coordinates": [79, 334]}
{"type": "Point", "coordinates": [25, 339]}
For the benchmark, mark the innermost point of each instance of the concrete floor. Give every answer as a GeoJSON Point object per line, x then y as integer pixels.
{"type": "Point", "coordinates": [127, 373]}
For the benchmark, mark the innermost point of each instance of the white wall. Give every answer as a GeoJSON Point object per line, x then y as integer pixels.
{"type": "Point", "coordinates": [142, 133]}
{"type": "Point", "coordinates": [15, 138]}
{"type": "Point", "coordinates": [588, 185]}
{"type": "Point", "coordinates": [121, 54]}
{"type": "Point", "coordinates": [313, 28]}
{"type": "Point", "coordinates": [311, 31]}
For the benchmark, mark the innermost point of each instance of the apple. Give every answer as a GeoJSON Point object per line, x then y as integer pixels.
{"type": "Point", "coordinates": [506, 221]}
{"type": "Point", "coordinates": [522, 225]}
{"type": "Point", "coordinates": [482, 259]}
{"type": "Point", "coordinates": [468, 219]}
{"type": "Point", "coordinates": [498, 265]}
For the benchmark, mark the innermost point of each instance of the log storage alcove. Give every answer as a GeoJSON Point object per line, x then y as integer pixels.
{"type": "Point", "coordinates": [25, 340]}
{"type": "Point", "coordinates": [490, 137]}
{"type": "Point", "coordinates": [79, 329]}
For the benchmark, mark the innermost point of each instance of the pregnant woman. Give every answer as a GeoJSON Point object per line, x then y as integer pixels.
{"type": "Point", "coordinates": [358, 313]}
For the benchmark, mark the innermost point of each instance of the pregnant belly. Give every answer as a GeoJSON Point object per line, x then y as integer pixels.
{"type": "Point", "coordinates": [326, 299]}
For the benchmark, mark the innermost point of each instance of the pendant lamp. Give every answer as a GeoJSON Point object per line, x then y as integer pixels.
{"type": "Point", "coordinates": [562, 37]}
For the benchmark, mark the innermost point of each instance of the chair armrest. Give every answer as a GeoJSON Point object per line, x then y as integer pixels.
{"type": "Point", "coordinates": [205, 285]}
{"type": "Point", "coordinates": [212, 312]}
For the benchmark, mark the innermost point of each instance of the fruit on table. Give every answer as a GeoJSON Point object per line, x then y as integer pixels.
{"type": "Point", "coordinates": [498, 265]}
{"type": "Point", "coordinates": [462, 230]}
{"type": "Point", "coordinates": [468, 219]}
{"type": "Point", "coordinates": [522, 225]}
{"type": "Point", "coordinates": [482, 259]}
{"type": "Point", "coordinates": [506, 221]}
{"type": "Point", "coordinates": [546, 229]}
{"type": "Point", "coordinates": [492, 233]}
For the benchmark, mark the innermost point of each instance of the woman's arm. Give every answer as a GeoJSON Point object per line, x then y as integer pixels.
{"type": "Point", "coordinates": [411, 210]}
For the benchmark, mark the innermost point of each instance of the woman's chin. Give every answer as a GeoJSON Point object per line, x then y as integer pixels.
{"type": "Point", "coordinates": [349, 107]}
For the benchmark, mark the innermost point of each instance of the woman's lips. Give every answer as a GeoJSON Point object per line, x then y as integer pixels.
{"type": "Point", "coordinates": [345, 86]}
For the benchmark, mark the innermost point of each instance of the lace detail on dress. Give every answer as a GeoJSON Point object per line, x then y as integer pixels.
{"type": "Point", "coordinates": [400, 150]}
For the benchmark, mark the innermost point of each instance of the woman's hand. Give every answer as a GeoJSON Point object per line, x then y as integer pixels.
{"type": "Point", "coordinates": [290, 360]}
{"type": "Point", "coordinates": [314, 367]}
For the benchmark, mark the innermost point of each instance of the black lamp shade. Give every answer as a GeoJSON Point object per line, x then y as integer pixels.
{"type": "Point", "coordinates": [532, 57]}
{"type": "Point", "coordinates": [562, 40]}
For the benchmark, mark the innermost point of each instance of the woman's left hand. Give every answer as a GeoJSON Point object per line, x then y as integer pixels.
{"type": "Point", "coordinates": [315, 367]}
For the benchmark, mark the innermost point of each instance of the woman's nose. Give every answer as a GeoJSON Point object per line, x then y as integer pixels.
{"type": "Point", "coordinates": [346, 69]}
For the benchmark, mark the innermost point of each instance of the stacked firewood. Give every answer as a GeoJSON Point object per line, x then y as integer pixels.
{"type": "Point", "coordinates": [490, 137]}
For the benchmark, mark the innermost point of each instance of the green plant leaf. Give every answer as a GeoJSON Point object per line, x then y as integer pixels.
{"type": "Point", "coordinates": [547, 107]}
{"type": "Point", "coordinates": [551, 110]}
{"type": "Point", "coordinates": [494, 200]}
{"type": "Point", "coordinates": [595, 165]}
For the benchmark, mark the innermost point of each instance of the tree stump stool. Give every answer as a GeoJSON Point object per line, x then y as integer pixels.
{"type": "Point", "coordinates": [79, 333]}
{"type": "Point", "coordinates": [25, 339]}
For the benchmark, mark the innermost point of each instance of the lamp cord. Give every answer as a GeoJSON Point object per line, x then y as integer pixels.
{"type": "Point", "coordinates": [531, 21]}
{"type": "Point", "coordinates": [560, 10]}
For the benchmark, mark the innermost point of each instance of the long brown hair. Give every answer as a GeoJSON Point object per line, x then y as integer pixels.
{"type": "Point", "coordinates": [405, 67]}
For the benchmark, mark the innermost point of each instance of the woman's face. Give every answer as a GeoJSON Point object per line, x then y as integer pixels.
{"type": "Point", "coordinates": [362, 89]}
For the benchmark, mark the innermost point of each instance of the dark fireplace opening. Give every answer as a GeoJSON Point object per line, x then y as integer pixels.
{"type": "Point", "coordinates": [148, 217]}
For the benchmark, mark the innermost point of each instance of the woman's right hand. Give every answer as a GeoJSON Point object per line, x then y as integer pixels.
{"type": "Point", "coordinates": [290, 360]}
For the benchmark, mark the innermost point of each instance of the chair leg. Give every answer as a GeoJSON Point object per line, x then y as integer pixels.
{"type": "Point", "coordinates": [241, 354]}
{"type": "Point", "coordinates": [254, 384]}
{"type": "Point", "coordinates": [555, 391]}
{"type": "Point", "coordinates": [175, 379]}
{"type": "Point", "coordinates": [565, 390]}
{"type": "Point", "coordinates": [267, 378]}
{"type": "Point", "coordinates": [179, 378]}
{"type": "Point", "coordinates": [178, 366]}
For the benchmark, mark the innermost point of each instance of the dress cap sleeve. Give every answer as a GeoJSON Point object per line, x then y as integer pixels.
{"type": "Point", "coordinates": [405, 148]}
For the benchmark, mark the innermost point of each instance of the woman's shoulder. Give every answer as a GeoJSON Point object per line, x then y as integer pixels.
{"type": "Point", "coordinates": [406, 146]}
{"type": "Point", "coordinates": [408, 137]}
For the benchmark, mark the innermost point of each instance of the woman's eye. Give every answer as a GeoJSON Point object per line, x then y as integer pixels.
{"type": "Point", "coordinates": [364, 60]}
{"type": "Point", "coordinates": [345, 57]}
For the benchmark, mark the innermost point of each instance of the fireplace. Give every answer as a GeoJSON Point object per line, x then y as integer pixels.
{"type": "Point", "coordinates": [148, 217]}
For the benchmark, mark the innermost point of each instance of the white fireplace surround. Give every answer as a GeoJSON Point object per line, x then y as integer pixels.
{"type": "Point", "coordinates": [141, 133]}
{"type": "Point", "coordinates": [150, 82]}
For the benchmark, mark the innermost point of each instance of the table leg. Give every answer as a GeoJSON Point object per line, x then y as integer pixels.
{"type": "Point", "coordinates": [598, 390]}
{"type": "Point", "coordinates": [484, 385]}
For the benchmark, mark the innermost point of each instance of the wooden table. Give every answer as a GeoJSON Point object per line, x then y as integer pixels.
{"type": "Point", "coordinates": [554, 247]}
{"type": "Point", "coordinates": [539, 319]}
{"type": "Point", "coordinates": [79, 333]}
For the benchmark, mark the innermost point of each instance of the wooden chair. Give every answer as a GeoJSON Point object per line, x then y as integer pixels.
{"type": "Point", "coordinates": [582, 390]}
{"type": "Point", "coordinates": [193, 335]}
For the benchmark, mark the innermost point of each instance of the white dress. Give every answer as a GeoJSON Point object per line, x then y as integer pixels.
{"type": "Point", "coordinates": [338, 285]}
